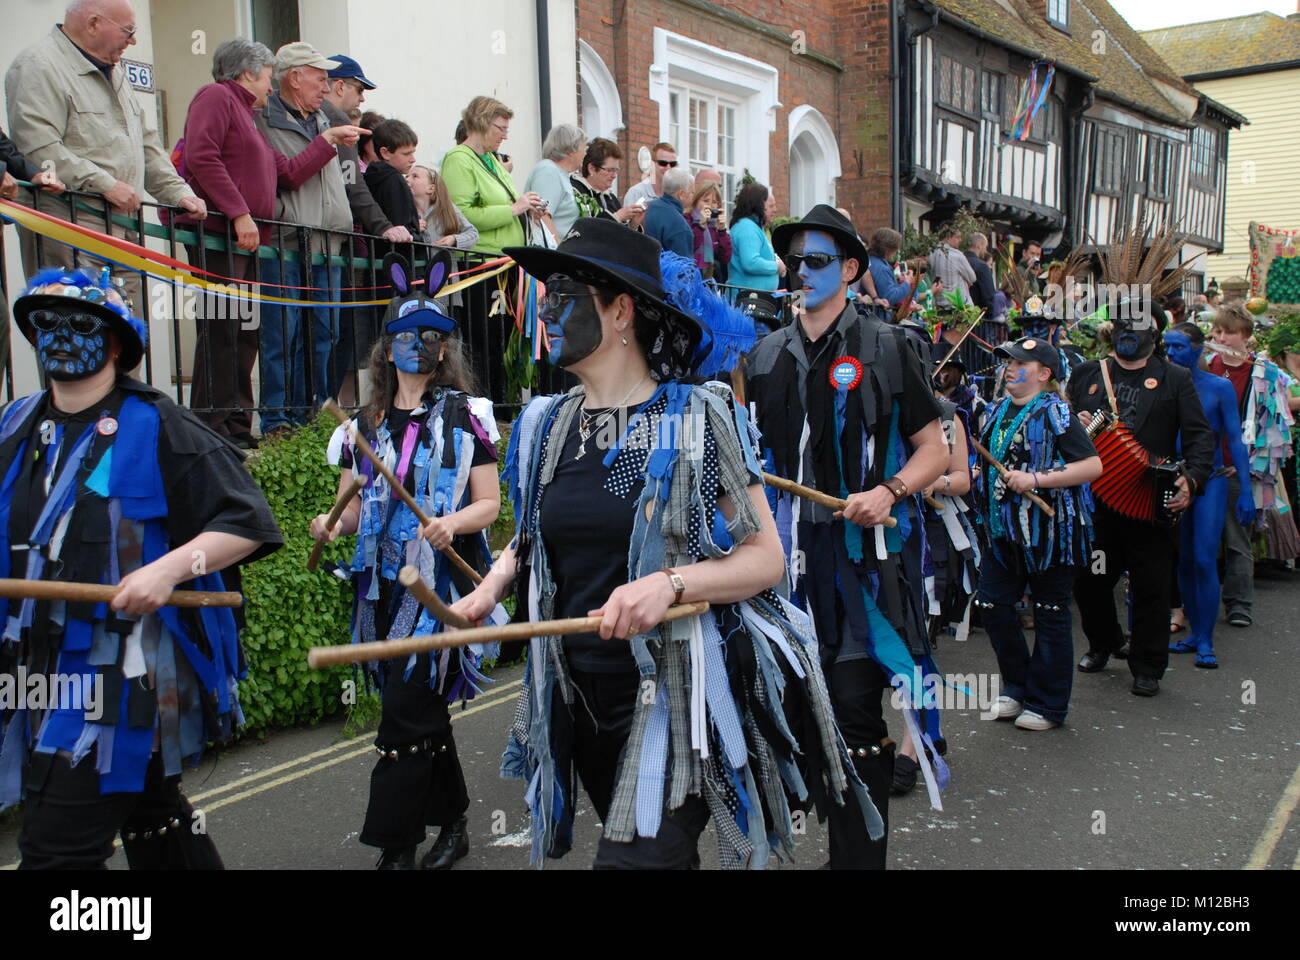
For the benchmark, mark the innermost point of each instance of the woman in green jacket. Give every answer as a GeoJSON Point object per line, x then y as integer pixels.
{"type": "Point", "coordinates": [480, 186]}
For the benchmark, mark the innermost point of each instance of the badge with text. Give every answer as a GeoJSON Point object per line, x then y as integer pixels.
{"type": "Point", "coordinates": [1151, 383]}
{"type": "Point", "coordinates": [106, 427]}
{"type": "Point", "coordinates": [846, 372]}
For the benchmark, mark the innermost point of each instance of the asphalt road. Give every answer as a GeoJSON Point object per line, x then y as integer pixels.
{"type": "Point", "coordinates": [1204, 776]}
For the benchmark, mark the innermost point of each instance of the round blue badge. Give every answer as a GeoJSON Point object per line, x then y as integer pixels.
{"type": "Point", "coordinates": [846, 372]}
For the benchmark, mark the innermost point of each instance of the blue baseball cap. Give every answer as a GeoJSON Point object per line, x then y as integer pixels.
{"type": "Point", "coordinates": [349, 69]}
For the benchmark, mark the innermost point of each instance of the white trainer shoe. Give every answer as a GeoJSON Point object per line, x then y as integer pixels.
{"type": "Point", "coordinates": [1005, 708]}
{"type": "Point", "coordinates": [1028, 720]}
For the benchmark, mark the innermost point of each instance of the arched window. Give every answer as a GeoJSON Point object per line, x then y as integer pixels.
{"type": "Point", "coordinates": [602, 111]}
{"type": "Point", "coordinates": [814, 160]}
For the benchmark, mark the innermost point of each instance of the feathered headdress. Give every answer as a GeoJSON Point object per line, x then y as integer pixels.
{"type": "Point", "coordinates": [728, 333]}
{"type": "Point", "coordinates": [1140, 254]}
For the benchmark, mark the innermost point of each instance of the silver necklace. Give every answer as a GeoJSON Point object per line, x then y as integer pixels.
{"type": "Point", "coordinates": [586, 429]}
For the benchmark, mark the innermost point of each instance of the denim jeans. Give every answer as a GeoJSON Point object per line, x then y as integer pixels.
{"type": "Point", "coordinates": [286, 397]}
{"type": "Point", "coordinates": [1040, 681]}
{"type": "Point", "coordinates": [1238, 557]}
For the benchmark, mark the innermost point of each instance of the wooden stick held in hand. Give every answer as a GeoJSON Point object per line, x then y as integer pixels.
{"type": "Point", "coordinates": [104, 593]}
{"type": "Point", "coordinates": [816, 496]}
{"type": "Point", "coordinates": [410, 578]}
{"type": "Point", "coordinates": [1033, 498]}
{"type": "Point", "coordinates": [341, 504]}
{"type": "Point", "coordinates": [359, 442]}
{"type": "Point", "coordinates": [320, 657]}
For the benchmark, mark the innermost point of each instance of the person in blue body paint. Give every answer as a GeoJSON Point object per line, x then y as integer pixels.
{"type": "Point", "coordinates": [437, 439]}
{"type": "Point", "coordinates": [1202, 526]}
{"type": "Point", "coordinates": [107, 481]}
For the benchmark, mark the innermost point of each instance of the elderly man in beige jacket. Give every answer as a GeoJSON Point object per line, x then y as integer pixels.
{"type": "Point", "coordinates": [71, 110]}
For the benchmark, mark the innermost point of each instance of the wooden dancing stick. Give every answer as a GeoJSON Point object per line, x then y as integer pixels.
{"type": "Point", "coordinates": [104, 593]}
{"type": "Point", "coordinates": [960, 340]}
{"type": "Point", "coordinates": [320, 657]}
{"type": "Point", "coordinates": [410, 578]}
{"type": "Point", "coordinates": [360, 443]}
{"type": "Point", "coordinates": [816, 496]}
{"type": "Point", "coordinates": [341, 504]}
{"type": "Point", "coordinates": [1033, 498]}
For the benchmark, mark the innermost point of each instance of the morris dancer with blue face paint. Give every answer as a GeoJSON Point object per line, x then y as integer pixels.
{"type": "Point", "coordinates": [1032, 432]}
{"type": "Point", "coordinates": [1202, 526]}
{"type": "Point", "coordinates": [634, 492]}
{"type": "Point", "coordinates": [845, 406]}
{"type": "Point", "coordinates": [107, 481]}
{"type": "Point", "coordinates": [439, 441]}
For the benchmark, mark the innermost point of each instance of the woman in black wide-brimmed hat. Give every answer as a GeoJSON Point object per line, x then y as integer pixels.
{"type": "Point", "coordinates": [634, 492]}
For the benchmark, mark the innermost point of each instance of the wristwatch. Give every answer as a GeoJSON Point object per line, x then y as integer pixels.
{"type": "Point", "coordinates": [678, 583]}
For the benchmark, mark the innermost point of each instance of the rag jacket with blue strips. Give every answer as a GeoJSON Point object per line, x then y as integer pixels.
{"type": "Point", "coordinates": [163, 682]}
{"type": "Point", "coordinates": [713, 723]}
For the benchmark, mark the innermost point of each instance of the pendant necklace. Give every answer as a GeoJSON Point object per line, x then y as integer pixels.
{"type": "Point", "coordinates": [590, 423]}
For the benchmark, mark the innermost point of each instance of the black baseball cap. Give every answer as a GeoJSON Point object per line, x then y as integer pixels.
{"type": "Point", "coordinates": [1032, 349]}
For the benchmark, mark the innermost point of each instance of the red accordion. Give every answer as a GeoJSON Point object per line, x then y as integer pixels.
{"type": "Point", "coordinates": [1132, 483]}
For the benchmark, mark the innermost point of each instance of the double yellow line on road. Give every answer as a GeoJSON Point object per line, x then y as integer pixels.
{"type": "Point", "coordinates": [316, 761]}
{"type": "Point", "coordinates": [1276, 827]}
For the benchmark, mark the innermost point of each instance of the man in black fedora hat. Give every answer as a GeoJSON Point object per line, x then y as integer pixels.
{"type": "Point", "coordinates": [110, 482]}
{"type": "Point", "coordinates": [844, 405]}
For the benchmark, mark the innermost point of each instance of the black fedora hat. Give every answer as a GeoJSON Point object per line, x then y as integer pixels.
{"type": "Point", "coordinates": [604, 253]}
{"type": "Point", "coordinates": [828, 220]}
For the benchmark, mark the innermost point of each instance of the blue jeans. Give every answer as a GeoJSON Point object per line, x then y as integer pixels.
{"type": "Point", "coordinates": [1042, 681]}
{"type": "Point", "coordinates": [285, 377]}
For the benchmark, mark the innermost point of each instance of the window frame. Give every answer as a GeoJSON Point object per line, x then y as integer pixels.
{"type": "Point", "coordinates": [971, 91]}
{"type": "Point", "coordinates": [1061, 19]}
{"type": "Point", "coordinates": [1106, 180]}
{"type": "Point", "coordinates": [1203, 146]}
{"type": "Point", "coordinates": [1162, 148]}
{"type": "Point", "coordinates": [681, 94]}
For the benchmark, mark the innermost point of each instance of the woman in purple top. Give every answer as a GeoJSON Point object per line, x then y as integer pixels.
{"type": "Point", "coordinates": [231, 165]}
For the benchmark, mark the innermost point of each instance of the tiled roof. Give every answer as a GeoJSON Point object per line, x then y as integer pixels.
{"type": "Point", "coordinates": [1123, 72]}
{"type": "Point", "coordinates": [1237, 43]}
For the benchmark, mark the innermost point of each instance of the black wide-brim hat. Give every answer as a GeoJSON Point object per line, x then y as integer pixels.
{"type": "Point", "coordinates": [828, 220]}
{"type": "Point", "coordinates": [604, 253]}
{"type": "Point", "coordinates": [940, 351]}
{"type": "Point", "coordinates": [53, 289]}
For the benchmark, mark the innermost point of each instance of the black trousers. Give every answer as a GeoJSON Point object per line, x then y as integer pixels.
{"type": "Point", "coordinates": [602, 721]}
{"type": "Point", "coordinates": [69, 825]}
{"type": "Point", "coordinates": [418, 781]}
{"type": "Point", "coordinates": [857, 689]}
{"type": "Point", "coordinates": [225, 352]}
{"type": "Point", "coordinates": [1148, 553]}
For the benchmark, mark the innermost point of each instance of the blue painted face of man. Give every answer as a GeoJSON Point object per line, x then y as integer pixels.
{"type": "Point", "coordinates": [71, 346]}
{"type": "Point", "coordinates": [820, 282]}
{"type": "Point", "coordinates": [417, 351]}
{"type": "Point", "coordinates": [1180, 349]}
{"type": "Point", "coordinates": [571, 320]}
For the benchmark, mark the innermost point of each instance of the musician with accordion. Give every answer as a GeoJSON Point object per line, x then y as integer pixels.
{"type": "Point", "coordinates": [1037, 515]}
{"type": "Point", "coordinates": [1141, 411]}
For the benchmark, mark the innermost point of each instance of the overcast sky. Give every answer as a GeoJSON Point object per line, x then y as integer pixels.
{"type": "Point", "coordinates": [1149, 14]}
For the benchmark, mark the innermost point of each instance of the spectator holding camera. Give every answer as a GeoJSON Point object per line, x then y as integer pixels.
{"type": "Point", "coordinates": [708, 222]}
{"type": "Point", "coordinates": [562, 154]}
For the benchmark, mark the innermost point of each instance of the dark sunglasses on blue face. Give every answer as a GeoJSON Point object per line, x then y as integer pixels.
{"type": "Point", "coordinates": [408, 336]}
{"type": "Point", "coordinates": [48, 321]}
{"type": "Point", "coordinates": [815, 261]}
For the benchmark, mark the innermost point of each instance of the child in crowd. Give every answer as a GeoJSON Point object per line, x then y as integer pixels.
{"type": "Point", "coordinates": [395, 144]}
{"type": "Point", "coordinates": [441, 222]}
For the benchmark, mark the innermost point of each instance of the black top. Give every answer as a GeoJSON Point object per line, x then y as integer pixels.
{"type": "Point", "coordinates": [456, 413]}
{"type": "Point", "coordinates": [1158, 403]}
{"type": "Point", "coordinates": [983, 289]}
{"type": "Point", "coordinates": [393, 194]}
{"type": "Point", "coordinates": [13, 162]}
{"type": "Point", "coordinates": [586, 531]}
{"type": "Point", "coordinates": [1073, 445]}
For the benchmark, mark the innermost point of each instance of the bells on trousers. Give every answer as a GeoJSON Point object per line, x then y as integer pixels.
{"type": "Point", "coordinates": [864, 751]}
{"type": "Point", "coordinates": [423, 748]}
{"type": "Point", "coordinates": [161, 830]}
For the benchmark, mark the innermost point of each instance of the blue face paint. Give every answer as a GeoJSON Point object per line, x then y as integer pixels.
{"type": "Point", "coordinates": [820, 285]}
{"type": "Point", "coordinates": [416, 355]}
{"type": "Point", "coordinates": [572, 323]}
{"type": "Point", "coordinates": [65, 355]}
{"type": "Point", "coordinates": [1181, 350]}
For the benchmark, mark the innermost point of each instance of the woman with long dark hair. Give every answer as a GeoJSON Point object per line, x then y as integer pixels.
{"type": "Point", "coordinates": [438, 440]}
{"type": "Point", "coordinates": [753, 263]}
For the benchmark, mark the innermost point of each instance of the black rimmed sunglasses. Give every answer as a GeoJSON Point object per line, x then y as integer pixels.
{"type": "Point", "coordinates": [815, 261]}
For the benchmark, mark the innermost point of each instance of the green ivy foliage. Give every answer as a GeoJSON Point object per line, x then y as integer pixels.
{"type": "Point", "coordinates": [290, 610]}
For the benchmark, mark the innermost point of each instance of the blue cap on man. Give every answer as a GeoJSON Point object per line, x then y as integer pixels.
{"type": "Point", "coordinates": [349, 69]}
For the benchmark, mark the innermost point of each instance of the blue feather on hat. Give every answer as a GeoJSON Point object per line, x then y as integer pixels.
{"type": "Point", "coordinates": [728, 333]}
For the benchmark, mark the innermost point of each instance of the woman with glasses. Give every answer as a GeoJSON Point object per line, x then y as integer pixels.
{"type": "Point", "coordinates": [593, 186]}
{"type": "Point", "coordinates": [479, 185]}
{"type": "Point", "coordinates": [438, 440]}
{"type": "Point", "coordinates": [753, 263]}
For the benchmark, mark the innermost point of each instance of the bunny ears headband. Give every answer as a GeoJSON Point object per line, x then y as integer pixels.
{"type": "Point", "coordinates": [413, 309]}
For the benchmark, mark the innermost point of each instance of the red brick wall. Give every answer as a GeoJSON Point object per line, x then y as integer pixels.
{"type": "Point", "coordinates": [865, 119]}
{"type": "Point", "coordinates": [623, 34]}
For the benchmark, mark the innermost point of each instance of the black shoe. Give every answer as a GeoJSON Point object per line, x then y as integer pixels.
{"type": "Point", "coordinates": [451, 845]}
{"type": "Point", "coordinates": [1239, 618]}
{"type": "Point", "coordinates": [1145, 686]}
{"type": "Point", "coordinates": [1092, 662]}
{"type": "Point", "coordinates": [1121, 653]}
{"type": "Point", "coordinates": [397, 858]}
{"type": "Point", "coordinates": [905, 770]}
